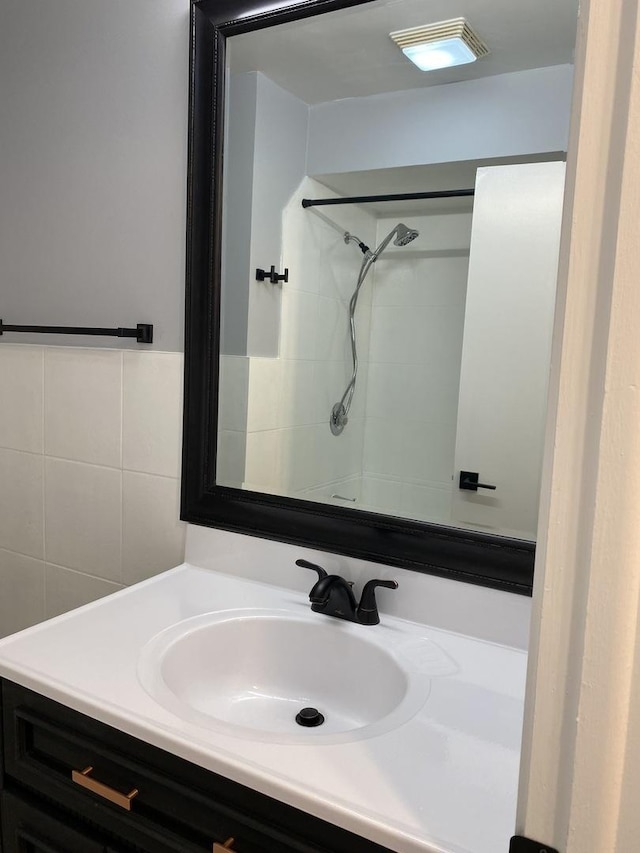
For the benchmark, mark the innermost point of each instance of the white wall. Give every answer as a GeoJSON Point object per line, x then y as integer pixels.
{"type": "Point", "coordinates": [273, 140]}
{"type": "Point", "coordinates": [266, 141]}
{"type": "Point", "coordinates": [93, 159]}
{"type": "Point", "coordinates": [240, 141]}
{"type": "Point", "coordinates": [507, 115]}
{"type": "Point", "coordinates": [89, 475]}
{"type": "Point", "coordinates": [508, 325]}
{"type": "Point", "coordinates": [279, 167]}
{"type": "Point", "coordinates": [489, 614]}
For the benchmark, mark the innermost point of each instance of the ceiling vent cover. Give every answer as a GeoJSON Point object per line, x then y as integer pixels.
{"type": "Point", "coordinates": [438, 40]}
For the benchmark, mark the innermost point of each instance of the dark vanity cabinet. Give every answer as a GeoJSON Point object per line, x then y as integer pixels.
{"type": "Point", "coordinates": [73, 785]}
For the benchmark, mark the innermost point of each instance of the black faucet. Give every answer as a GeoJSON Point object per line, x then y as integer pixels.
{"type": "Point", "coordinates": [332, 594]}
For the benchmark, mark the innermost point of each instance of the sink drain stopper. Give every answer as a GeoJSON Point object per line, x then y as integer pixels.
{"type": "Point", "coordinates": [309, 717]}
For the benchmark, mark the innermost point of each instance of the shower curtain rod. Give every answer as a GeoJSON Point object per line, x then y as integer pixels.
{"type": "Point", "coordinates": [363, 199]}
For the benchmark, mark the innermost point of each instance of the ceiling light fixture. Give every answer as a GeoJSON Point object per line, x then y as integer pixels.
{"type": "Point", "coordinates": [440, 45]}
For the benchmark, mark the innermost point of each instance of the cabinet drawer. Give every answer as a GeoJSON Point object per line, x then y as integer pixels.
{"type": "Point", "coordinates": [30, 825]}
{"type": "Point", "coordinates": [27, 828]}
{"type": "Point", "coordinates": [182, 807]}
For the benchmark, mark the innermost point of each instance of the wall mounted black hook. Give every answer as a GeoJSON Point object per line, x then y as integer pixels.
{"type": "Point", "coordinates": [272, 275]}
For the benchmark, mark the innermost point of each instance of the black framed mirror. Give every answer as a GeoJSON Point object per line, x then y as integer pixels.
{"type": "Point", "coordinates": [212, 499]}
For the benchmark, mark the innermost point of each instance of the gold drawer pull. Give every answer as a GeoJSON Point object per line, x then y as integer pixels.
{"type": "Point", "coordinates": [123, 800]}
{"type": "Point", "coordinates": [224, 847]}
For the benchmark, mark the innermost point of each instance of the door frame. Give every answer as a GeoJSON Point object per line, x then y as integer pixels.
{"type": "Point", "coordinates": [581, 740]}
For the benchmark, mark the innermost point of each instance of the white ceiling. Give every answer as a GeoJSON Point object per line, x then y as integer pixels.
{"type": "Point", "coordinates": [349, 54]}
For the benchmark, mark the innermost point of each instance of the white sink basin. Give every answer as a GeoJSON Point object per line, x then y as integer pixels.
{"type": "Point", "coordinates": [249, 673]}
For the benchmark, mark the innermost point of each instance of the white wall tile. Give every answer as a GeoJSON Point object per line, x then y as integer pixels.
{"type": "Point", "coordinates": [232, 392]}
{"type": "Point", "coordinates": [299, 393]}
{"type": "Point", "coordinates": [346, 492]}
{"type": "Point", "coordinates": [301, 463]}
{"type": "Point", "coordinates": [421, 281]}
{"type": "Point", "coordinates": [420, 392]}
{"type": "Point", "coordinates": [21, 592]}
{"type": "Point", "coordinates": [409, 450]}
{"type": "Point", "coordinates": [83, 405]}
{"type": "Point", "coordinates": [80, 400]}
{"type": "Point", "coordinates": [385, 494]}
{"type": "Point", "coordinates": [265, 392]}
{"type": "Point", "coordinates": [416, 335]}
{"type": "Point", "coordinates": [21, 489]}
{"type": "Point", "coordinates": [315, 348]}
{"type": "Point", "coordinates": [21, 392]}
{"type": "Point", "coordinates": [263, 461]}
{"type": "Point", "coordinates": [230, 459]}
{"type": "Point", "coordinates": [330, 378]}
{"type": "Point", "coordinates": [332, 331]}
{"type": "Point", "coordinates": [427, 503]}
{"type": "Point", "coordinates": [65, 589]}
{"type": "Point", "coordinates": [152, 413]}
{"type": "Point", "coordinates": [152, 535]}
{"type": "Point", "coordinates": [299, 325]}
{"type": "Point", "coordinates": [414, 367]}
{"type": "Point", "coordinates": [428, 451]}
{"type": "Point", "coordinates": [339, 456]}
{"type": "Point", "coordinates": [83, 518]}
{"type": "Point", "coordinates": [302, 249]}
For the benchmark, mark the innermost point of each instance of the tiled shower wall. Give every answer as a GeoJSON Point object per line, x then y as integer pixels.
{"type": "Point", "coordinates": [397, 453]}
{"type": "Point", "coordinates": [279, 441]}
{"type": "Point", "coordinates": [89, 475]}
{"type": "Point", "coordinates": [415, 348]}
{"type": "Point", "coordinates": [290, 448]}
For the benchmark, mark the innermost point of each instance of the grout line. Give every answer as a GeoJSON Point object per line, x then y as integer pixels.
{"type": "Point", "coordinates": [43, 421]}
{"type": "Point", "coordinates": [148, 474]}
{"type": "Point", "coordinates": [44, 484]}
{"type": "Point", "coordinates": [81, 462]}
{"type": "Point", "coordinates": [121, 409]}
{"type": "Point", "coordinates": [18, 450]}
{"type": "Point", "coordinates": [44, 477]}
{"type": "Point", "coordinates": [87, 575]}
{"type": "Point", "coordinates": [121, 466]}
{"type": "Point", "coordinates": [81, 347]}
{"type": "Point", "coordinates": [20, 553]}
{"type": "Point", "coordinates": [46, 586]}
{"type": "Point", "coordinates": [94, 464]}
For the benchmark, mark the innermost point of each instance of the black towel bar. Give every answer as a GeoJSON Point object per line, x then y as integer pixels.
{"type": "Point", "coordinates": [143, 332]}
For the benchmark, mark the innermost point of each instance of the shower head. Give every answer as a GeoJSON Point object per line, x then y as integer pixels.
{"type": "Point", "coordinates": [404, 234]}
{"type": "Point", "coordinates": [401, 235]}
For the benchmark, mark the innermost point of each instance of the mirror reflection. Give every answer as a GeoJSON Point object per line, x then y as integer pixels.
{"type": "Point", "coordinates": [390, 249]}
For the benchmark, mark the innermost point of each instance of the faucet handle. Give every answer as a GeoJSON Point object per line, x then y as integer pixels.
{"type": "Point", "coordinates": [305, 564]}
{"type": "Point", "coordinates": [368, 609]}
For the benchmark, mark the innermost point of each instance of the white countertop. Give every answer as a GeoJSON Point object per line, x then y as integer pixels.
{"type": "Point", "coordinates": [443, 782]}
